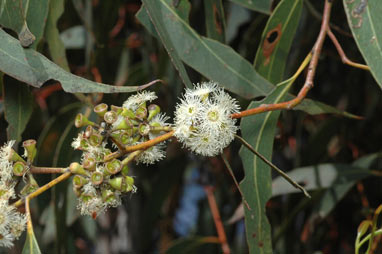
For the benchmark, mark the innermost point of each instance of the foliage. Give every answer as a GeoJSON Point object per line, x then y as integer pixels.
{"type": "Point", "coordinates": [302, 109]}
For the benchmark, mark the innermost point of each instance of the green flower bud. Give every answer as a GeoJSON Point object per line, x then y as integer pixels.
{"type": "Point", "coordinates": [153, 111]}
{"type": "Point", "coordinates": [144, 129]}
{"type": "Point", "coordinates": [79, 181]}
{"type": "Point", "coordinates": [13, 156]}
{"type": "Point", "coordinates": [89, 164]}
{"type": "Point", "coordinates": [96, 178]}
{"type": "Point", "coordinates": [82, 120]}
{"type": "Point", "coordinates": [128, 113]}
{"type": "Point", "coordinates": [110, 117]}
{"type": "Point", "coordinates": [129, 180]}
{"type": "Point", "coordinates": [107, 195]}
{"type": "Point", "coordinates": [125, 170]}
{"type": "Point", "coordinates": [113, 167]}
{"type": "Point", "coordinates": [125, 124]}
{"type": "Point", "coordinates": [116, 183]}
{"type": "Point", "coordinates": [95, 139]}
{"type": "Point", "coordinates": [19, 168]}
{"type": "Point", "coordinates": [155, 124]}
{"type": "Point", "coordinates": [30, 187]}
{"type": "Point", "coordinates": [116, 109]}
{"type": "Point", "coordinates": [76, 168]}
{"type": "Point", "coordinates": [100, 109]}
{"type": "Point", "coordinates": [141, 112]}
{"type": "Point", "coordinates": [30, 148]}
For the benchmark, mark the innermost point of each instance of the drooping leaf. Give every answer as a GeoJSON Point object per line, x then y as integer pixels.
{"type": "Point", "coordinates": [26, 18]}
{"type": "Point", "coordinates": [56, 47]}
{"type": "Point", "coordinates": [31, 245]}
{"type": "Point", "coordinates": [214, 60]}
{"type": "Point", "coordinates": [319, 177]}
{"type": "Point", "coordinates": [215, 20]}
{"type": "Point", "coordinates": [18, 107]}
{"type": "Point", "coordinates": [365, 21]}
{"type": "Point", "coordinates": [161, 32]}
{"type": "Point", "coordinates": [217, 61]}
{"type": "Point", "coordinates": [35, 69]}
{"type": "Point", "coordinates": [188, 245]}
{"type": "Point", "coordinates": [277, 39]}
{"type": "Point", "coordinates": [263, 6]}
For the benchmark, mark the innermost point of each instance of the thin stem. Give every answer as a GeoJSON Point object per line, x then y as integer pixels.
{"type": "Point", "coordinates": [131, 157]}
{"type": "Point", "coordinates": [342, 54]}
{"type": "Point", "coordinates": [151, 142]}
{"type": "Point", "coordinates": [46, 170]}
{"type": "Point", "coordinates": [161, 128]}
{"type": "Point", "coordinates": [310, 75]}
{"type": "Point", "coordinates": [234, 180]}
{"type": "Point", "coordinates": [282, 173]}
{"type": "Point", "coordinates": [366, 238]}
{"type": "Point", "coordinates": [43, 188]}
{"type": "Point", "coordinates": [29, 217]}
{"type": "Point", "coordinates": [218, 222]}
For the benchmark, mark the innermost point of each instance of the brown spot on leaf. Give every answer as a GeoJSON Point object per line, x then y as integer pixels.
{"type": "Point", "coordinates": [270, 42]}
{"type": "Point", "coordinates": [254, 235]}
{"type": "Point", "coordinates": [261, 244]}
{"type": "Point", "coordinates": [217, 19]}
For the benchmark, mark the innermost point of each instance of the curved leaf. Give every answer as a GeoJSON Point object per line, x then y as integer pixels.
{"type": "Point", "coordinates": [215, 20]}
{"type": "Point", "coordinates": [277, 39]}
{"type": "Point", "coordinates": [27, 18]}
{"type": "Point", "coordinates": [263, 6]}
{"type": "Point", "coordinates": [214, 60]}
{"type": "Point", "coordinates": [31, 245]}
{"type": "Point", "coordinates": [35, 69]}
{"type": "Point", "coordinates": [365, 21]}
{"type": "Point", "coordinates": [18, 107]}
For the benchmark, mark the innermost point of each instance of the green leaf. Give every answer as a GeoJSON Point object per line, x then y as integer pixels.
{"type": "Point", "coordinates": [215, 20]}
{"type": "Point", "coordinates": [277, 38]}
{"type": "Point", "coordinates": [35, 69]}
{"type": "Point", "coordinates": [31, 245]}
{"type": "Point", "coordinates": [160, 32]}
{"type": "Point", "coordinates": [188, 245]}
{"type": "Point", "coordinates": [263, 6]}
{"type": "Point", "coordinates": [319, 177]}
{"type": "Point", "coordinates": [26, 17]}
{"type": "Point", "coordinates": [56, 46]}
{"type": "Point", "coordinates": [365, 22]}
{"type": "Point", "coordinates": [214, 60]}
{"type": "Point", "coordinates": [18, 107]}
{"type": "Point", "coordinates": [259, 131]}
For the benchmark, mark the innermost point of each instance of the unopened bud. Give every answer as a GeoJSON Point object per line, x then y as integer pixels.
{"type": "Point", "coordinates": [141, 112]}
{"type": "Point", "coordinates": [76, 168]}
{"type": "Point", "coordinates": [116, 183]}
{"type": "Point", "coordinates": [153, 111]}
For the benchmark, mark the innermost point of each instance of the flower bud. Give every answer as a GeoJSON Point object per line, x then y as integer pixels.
{"type": "Point", "coordinates": [30, 187]}
{"type": "Point", "coordinates": [95, 139]}
{"type": "Point", "coordinates": [141, 112]}
{"type": "Point", "coordinates": [96, 178]}
{"type": "Point", "coordinates": [113, 167]}
{"type": "Point", "coordinates": [79, 181]}
{"type": "Point", "coordinates": [129, 184]}
{"type": "Point", "coordinates": [110, 117]}
{"type": "Point", "coordinates": [116, 183]}
{"type": "Point", "coordinates": [100, 109]}
{"type": "Point", "coordinates": [30, 148]}
{"type": "Point", "coordinates": [82, 120]}
{"type": "Point", "coordinates": [107, 195]}
{"type": "Point", "coordinates": [76, 168]}
{"type": "Point", "coordinates": [128, 113]}
{"type": "Point", "coordinates": [19, 168]}
{"type": "Point", "coordinates": [153, 111]}
{"type": "Point", "coordinates": [125, 170]}
{"type": "Point", "coordinates": [144, 129]}
{"type": "Point", "coordinates": [116, 109]}
{"type": "Point", "coordinates": [89, 164]}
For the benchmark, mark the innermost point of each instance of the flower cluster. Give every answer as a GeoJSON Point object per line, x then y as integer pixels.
{"type": "Point", "coordinates": [12, 223]}
{"type": "Point", "coordinates": [101, 178]}
{"type": "Point", "coordinates": [203, 120]}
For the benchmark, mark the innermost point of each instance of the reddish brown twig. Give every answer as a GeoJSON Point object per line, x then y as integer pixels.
{"type": "Point", "coordinates": [151, 142]}
{"type": "Point", "coordinates": [309, 78]}
{"type": "Point", "coordinates": [218, 222]}
{"type": "Point", "coordinates": [342, 54]}
{"type": "Point", "coordinates": [47, 170]}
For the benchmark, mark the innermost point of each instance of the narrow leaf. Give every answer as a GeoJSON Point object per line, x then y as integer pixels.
{"type": "Point", "coordinates": [263, 6]}
{"type": "Point", "coordinates": [35, 69]}
{"type": "Point", "coordinates": [31, 245]}
{"type": "Point", "coordinates": [18, 107]}
{"type": "Point", "coordinates": [56, 46]}
{"type": "Point", "coordinates": [162, 33]}
{"type": "Point", "coordinates": [215, 20]}
{"type": "Point", "coordinates": [277, 38]}
{"type": "Point", "coordinates": [365, 22]}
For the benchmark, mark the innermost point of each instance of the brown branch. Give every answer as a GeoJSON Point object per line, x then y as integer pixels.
{"type": "Point", "coordinates": [316, 51]}
{"type": "Point", "coordinates": [342, 54]}
{"type": "Point", "coordinates": [46, 170]}
{"type": "Point", "coordinates": [218, 222]}
{"type": "Point", "coordinates": [151, 142]}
